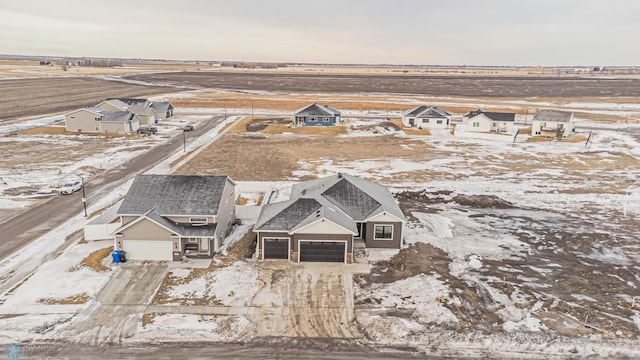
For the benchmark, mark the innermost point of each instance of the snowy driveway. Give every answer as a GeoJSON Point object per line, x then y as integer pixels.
{"type": "Point", "coordinates": [310, 300]}
{"type": "Point", "coordinates": [119, 306]}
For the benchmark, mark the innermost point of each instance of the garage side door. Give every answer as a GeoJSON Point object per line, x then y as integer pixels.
{"type": "Point", "coordinates": [148, 249]}
{"type": "Point", "coordinates": [322, 251]}
{"type": "Point", "coordinates": [276, 248]}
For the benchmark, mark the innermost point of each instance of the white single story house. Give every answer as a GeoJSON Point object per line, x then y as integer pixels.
{"type": "Point", "coordinates": [426, 117]}
{"type": "Point", "coordinates": [484, 121]}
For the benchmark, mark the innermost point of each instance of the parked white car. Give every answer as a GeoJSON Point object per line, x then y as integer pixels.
{"type": "Point", "coordinates": [71, 187]}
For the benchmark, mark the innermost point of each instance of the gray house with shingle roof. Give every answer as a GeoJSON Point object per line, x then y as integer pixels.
{"type": "Point", "coordinates": [166, 217]}
{"type": "Point", "coordinates": [552, 123]}
{"type": "Point", "coordinates": [426, 117]}
{"type": "Point", "coordinates": [323, 218]}
{"type": "Point", "coordinates": [316, 115]}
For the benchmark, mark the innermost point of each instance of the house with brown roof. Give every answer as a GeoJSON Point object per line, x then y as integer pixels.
{"type": "Point", "coordinates": [325, 217]}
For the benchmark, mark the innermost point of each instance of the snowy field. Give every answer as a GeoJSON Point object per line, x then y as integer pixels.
{"type": "Point", "coordinates": [553, 249]}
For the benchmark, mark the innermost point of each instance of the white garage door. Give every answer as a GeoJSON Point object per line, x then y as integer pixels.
{"type": "Point", "coordinates": [148, 249]}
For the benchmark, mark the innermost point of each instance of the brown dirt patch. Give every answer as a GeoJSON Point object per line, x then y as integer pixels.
{"type": "Point", "coordinates": [94, 260]}
{"type": "Point", "coordinates": [69, 300]}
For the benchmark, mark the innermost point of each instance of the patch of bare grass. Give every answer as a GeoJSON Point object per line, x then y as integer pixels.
{"type": "Point", "coordinates": [182, 157]}
{"type": "Point", "coordinates": [69, 300]}
{"type": "Point", "coordinates": [149, 318]}
{"type": "Point", "coordinates": [244, 201]}
{"type": "Point", "coordinates": [94, 260]}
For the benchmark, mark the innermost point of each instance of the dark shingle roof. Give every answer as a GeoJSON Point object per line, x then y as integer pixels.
{"type": "Point", "coordinates": [351, 199]}
{"type": "Point", "coordinates": [174, 195]}
{"type": "Point", "coordinates": [552, 115]}
{"type": "Point", "coordinates": [182, 230]}
{"type": "Point", "coordinates": [132, 101]}
{"type": "Point", "coordinates": [317, 110]}
{"type": "Point", "coordinates": [426, 112]}
{"type": "Point", "coordinates": [116, 116]}
{"type": "Point", "coordinates": [161, 106]}
{"type": "Point", "coordinates": [274, 218]}
{"type": "Point", "coordinates": [496, 116]}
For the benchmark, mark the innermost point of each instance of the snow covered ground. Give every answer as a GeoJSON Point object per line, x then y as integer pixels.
{"type": "Point", "coordinates": [564, 199]}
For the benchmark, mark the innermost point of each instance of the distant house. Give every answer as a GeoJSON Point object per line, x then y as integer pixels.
{"type": "Point", "coordinates": [113, 105]}
{"type": "Point", "coordinates": [485, 121]}
{"type": "Point", "coordinates": [99, 120]}
{"type": "Point", "coordinates": [324, 217]}
{"type": "Point", "coordinates": [146, 114]}
{"type": "Point", "coordinates": [156, 110]}
{"type": "Point", "coordinates": [316, 115]}
{"type": "Point", "coordinates": [166, 217]}
{"type": "Point", "coordinates": [426, 117]}
{"type": "Point", "coordinates": [163, 110]}
{"type": "Point", "coordinates": [552, 123]}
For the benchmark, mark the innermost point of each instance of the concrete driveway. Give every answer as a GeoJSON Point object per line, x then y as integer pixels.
{"type": "Point", "coordinates": [308, 300]}
{"type": "Point", "coordinates": [119, 306]}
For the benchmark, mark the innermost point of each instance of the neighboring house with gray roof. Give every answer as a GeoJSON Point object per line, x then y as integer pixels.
{"type": "Point", "coordinates": [100, 120]}
{"type": "Point", "coordinates": [324, 217]}
{"type": "Point", "coordinates": [167, 217]}
{"type": "Point", "coordinates": [163, 110]}
{"type": "Point", "coordinates": [426, 117]}
{"type": "Point", "coordinates": [316, 115]}
{"type": "Point", "coordinates": [552, 123]}
{"type": "Point", "coordinates": [487, 121]}
{"type": "Point", "coordinates": [113, 105]}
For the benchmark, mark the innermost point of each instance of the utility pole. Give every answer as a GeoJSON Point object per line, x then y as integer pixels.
{"type": "Point", "coordinates": [251, 108]}
{"type": "Point", "coordinates": [84, 198]}
{"type": "Point", "coordinates": [184, 140]}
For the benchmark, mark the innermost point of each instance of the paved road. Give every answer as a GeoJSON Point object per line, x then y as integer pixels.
{"type": "Point", "coordinates": [34, 222]}
{"type": "Point", "coordinates": [286, 348]}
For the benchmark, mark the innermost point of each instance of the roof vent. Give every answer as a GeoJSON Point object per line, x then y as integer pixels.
{"type": "Point", "coordinates": [304, 191]}
{"type": "Point", "coordinates": [340, 176]}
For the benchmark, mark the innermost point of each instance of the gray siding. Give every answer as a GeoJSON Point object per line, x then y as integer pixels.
{"type": "Point", "coordinates": [226, 211]}
{"type": "Point", "coordinates": [395, 243]}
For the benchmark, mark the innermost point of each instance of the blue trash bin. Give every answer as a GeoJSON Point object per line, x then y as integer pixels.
{"type": "Point", "coordinates": [115, 256]}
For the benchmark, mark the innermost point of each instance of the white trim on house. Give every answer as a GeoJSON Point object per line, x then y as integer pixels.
{"type": "Point", "coordinates": [381, 239]}
{"type": "Point", "coordinates": [382, 216]}
{"type": "Point", "coordinates": [322, 220]}
{"type": "Point", "coordinates": [336, 241]}
{"type": "Point", "coordinates": [278, 237]}
{"type": "Point", "coordinates": [138, 219]}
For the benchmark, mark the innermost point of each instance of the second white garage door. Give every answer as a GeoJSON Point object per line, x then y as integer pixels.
{"type": "Point", "coordinates": [148, 249]}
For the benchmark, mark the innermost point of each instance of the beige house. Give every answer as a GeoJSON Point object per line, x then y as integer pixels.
{"type": "Point", "coordinates": [325, 217]}
{"type": "Point", "coordinates": [113, 105]}
{"type": "Point", "coordinates": [168, 217]}
{"type": "Point", "coordinates": [99, 120]}
{"type": "Point", "coordinates": [552, 123]}
{"type": "Point", "coordinates": [146, 114]}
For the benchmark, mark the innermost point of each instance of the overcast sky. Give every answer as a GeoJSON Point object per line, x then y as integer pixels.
{"type": "Point", "coordinates": [464, 32]}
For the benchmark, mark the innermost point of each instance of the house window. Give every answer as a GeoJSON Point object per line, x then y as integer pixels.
{"type": "Point", "coordinates": [476, 124]}
{"type": "Point", "coordinates": [198, 220]}
{"type": "Point", "coordinates": [312, 119]}
{"type": "Point", "coordinates": [560, 126]}
{"type": "Point", "coordinates": [425, 121]}
{"type": "Point", "coordinates": [383, 232]}
{"type": "Point", "coordinates": [439, 122]}
{"type": "Point", "coordinates": [326, 119]}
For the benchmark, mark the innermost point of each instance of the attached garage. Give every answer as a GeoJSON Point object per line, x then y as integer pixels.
{"type": "Point", "coordinates": [275, 248]}
{"type": "Point", "coordinates": [322, 251]}
{"type": "Point", "coordinates": [148, 249]}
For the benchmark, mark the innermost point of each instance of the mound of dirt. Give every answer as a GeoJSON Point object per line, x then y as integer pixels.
{"type": "Point", "coordinates": [419, 258]}
{"type": "Point", "coordinates": [482, 201]}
